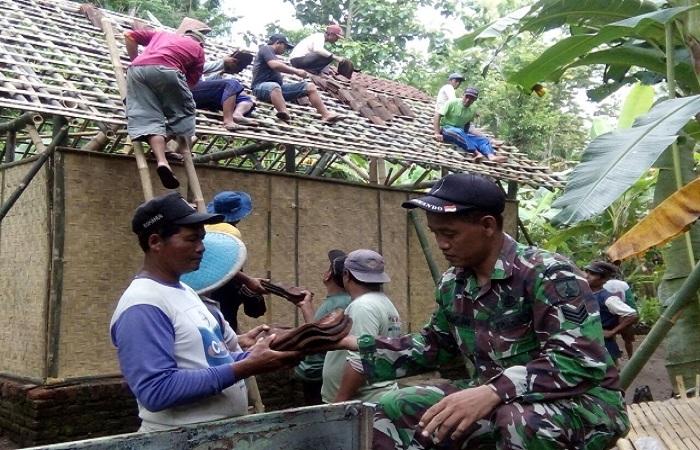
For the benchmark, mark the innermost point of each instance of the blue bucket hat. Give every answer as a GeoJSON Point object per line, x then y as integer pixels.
{"type": "Point", "coordinates": [456, 76]}
{"type": "Point", "coordinates": [233, 205]}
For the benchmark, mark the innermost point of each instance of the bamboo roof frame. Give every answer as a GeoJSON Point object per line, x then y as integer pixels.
{"type": "Point", "coordinates": [55, 65]}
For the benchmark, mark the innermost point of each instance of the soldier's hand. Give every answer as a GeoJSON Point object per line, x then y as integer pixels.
{"type": "Point", "coordinates": [454, 414]}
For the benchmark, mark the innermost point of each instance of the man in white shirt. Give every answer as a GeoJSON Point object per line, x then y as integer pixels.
{"type": "Point", "coordinates": [615, 314]}
{"type": "Point", "coordinates": [311, 55]}
{"type": "Point", "coordinates": [447, 92]}
{"type": "Point", "coordinates": [372, 312]}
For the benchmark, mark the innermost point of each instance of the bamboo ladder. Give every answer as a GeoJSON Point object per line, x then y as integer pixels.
{"type": "Point", "coordinates": [192, 179]}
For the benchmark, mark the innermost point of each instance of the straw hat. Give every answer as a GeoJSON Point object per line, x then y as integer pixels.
{"type": "Point", "coordinates": [224, 255]}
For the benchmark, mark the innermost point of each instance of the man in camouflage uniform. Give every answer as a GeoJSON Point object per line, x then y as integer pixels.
{"type": "Point", "coordinates": [525, 319]}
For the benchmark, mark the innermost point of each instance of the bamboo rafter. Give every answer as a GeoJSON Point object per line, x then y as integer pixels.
{"type": "Point", "coordinates": [53, 61]}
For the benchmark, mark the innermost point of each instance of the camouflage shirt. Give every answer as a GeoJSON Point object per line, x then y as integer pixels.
{"type": "Point", "coordinates": [533, 331]}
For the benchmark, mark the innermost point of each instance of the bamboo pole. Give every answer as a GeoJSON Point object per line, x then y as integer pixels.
{"type": "Point", "coordinates": [121, 84]}
{"type": "Point", "coordinates": [193, 180]}
{"type": "Point", "coordinates": [36, 139]}
{"type": "Point", "coordinates": [676, 302]}
{"type": "Point", "coordinates": [32, 173]}
{"type": "Point", "coordinates": [434, 270]}
{"type": "Point", "coordinates": [391, 180]}
{"type": "Point", "coordinates": [359, 170]}
{"type": "Point", "coordinates": [17, 124]}
{"type": "Point", "coordinates": [241, 151]}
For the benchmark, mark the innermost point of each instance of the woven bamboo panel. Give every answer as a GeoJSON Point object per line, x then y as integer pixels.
{"type": "Point", "coordinates": [420, 282]}
{"type": "Point", "coordinates": [337, 216]}
{"type": "Point", "coordinates": [24, 278]}
{"type": "Point", "coordinates": [284, 248]}
{"type": "Point", "coordinates": [101, 257]}
{"type": "Point", "coordinates": [393, 237]}
{"type": "Point", "coordinates": [671, 423]}
{"type": "Point", "coordinates": [295, 221]}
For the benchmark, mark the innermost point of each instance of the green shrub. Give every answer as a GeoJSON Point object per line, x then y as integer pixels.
{"type": "Point", "coordinates": [649, 311]}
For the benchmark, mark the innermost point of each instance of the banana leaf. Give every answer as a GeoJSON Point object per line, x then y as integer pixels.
{"type": "Point", "coordinates": [638, 102]}
{"type": "Point", "coordinates": [650, 27]}
{"type": "Point", "coordinates": [667, 221]}
{"type": "Point", "coordinates": [613, 161]}
{"type": "Point", "coordinates": [492, 30]}
{"type": "Point", "coordinates": [550, 14]}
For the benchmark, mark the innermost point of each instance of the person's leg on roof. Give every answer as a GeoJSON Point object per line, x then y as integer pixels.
{"type": "Point", "coordinates": [272, 93]}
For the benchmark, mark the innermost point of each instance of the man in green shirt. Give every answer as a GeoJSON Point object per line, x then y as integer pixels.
{"type": "Point", "coordinates": [453, 124]}
{"type": "Point", "coordinates": [310, 370]}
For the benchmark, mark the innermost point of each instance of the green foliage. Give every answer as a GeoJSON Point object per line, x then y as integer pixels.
{"type": "Point", "coordinates": [649, 311]}
{"type": "Point", "coordinates": [171, 12]}
{"type": "Point", "coordinates": [377, 32]}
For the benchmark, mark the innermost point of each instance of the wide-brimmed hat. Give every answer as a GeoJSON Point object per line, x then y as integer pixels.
{"type": "Point", "coordinates": [224, 255]}
{"type": "Point", "coordinates": [458, 192]}
{"type": "Point", "coordinates": [233, 205]}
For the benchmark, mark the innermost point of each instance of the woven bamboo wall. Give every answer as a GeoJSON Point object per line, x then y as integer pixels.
{"type": "Point", "coordinates": [295, 221]}
{"type": "Point", "coordinates": [24, 274]}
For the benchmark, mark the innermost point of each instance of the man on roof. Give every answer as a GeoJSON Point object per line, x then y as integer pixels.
{"type": "Point", "coordinates": [269, 86]}
{"type": "Point", "coordinates": [453, 124]}
{"type": "Point", "coordinates": [159, 102]}
{"type": "Point", "coordinates": [310, 54]}
{"type": "Point", "coordinates": [218, 93]}
{"type": "Point", "coordinates": [447, 91]}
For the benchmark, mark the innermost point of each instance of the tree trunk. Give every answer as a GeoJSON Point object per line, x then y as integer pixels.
{"type": "Point", "coordinates": [682, 345]}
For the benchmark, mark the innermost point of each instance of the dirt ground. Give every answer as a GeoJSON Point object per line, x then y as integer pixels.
{"type": "Point", "coordinates": [653, 374]}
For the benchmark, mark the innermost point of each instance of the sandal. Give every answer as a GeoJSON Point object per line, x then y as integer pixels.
{"type": "Point", "coordinates": [333, 119]}
{"type": "Point", "coordinates": [174, 156]}
{"type": "Point", "coordinates": [167, 177]}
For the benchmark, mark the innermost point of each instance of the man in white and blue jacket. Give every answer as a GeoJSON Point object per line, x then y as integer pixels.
{"type": "Point", "coordinates": [171, 349]}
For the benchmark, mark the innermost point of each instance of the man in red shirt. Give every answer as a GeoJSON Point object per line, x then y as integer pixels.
{"type": "Point", "coordinates": [158, 99]}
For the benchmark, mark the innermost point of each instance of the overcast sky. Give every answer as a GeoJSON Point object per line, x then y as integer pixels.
{"type": "Point", "coordinates": [258, 13]}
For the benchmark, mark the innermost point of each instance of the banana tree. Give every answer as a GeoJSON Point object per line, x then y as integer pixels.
{"type": "Point", "coordinates": [647, 41]}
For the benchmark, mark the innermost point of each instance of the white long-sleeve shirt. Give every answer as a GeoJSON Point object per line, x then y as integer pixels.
{"type": "Point", "coordinates": [447, 92]}
{"type": "Point", "coordinates": [311, 44]}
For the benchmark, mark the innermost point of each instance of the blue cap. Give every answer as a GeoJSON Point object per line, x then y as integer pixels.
{"type": "Point", "coordinates": [233, 205]}
{"type": "Point", "coordinates": [456, 76]}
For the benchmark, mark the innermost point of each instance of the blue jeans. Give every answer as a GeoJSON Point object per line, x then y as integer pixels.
{"type": "Point", "coordinates": [290, 91]}
{"type": "Point", "coordinates": [467, 141]}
